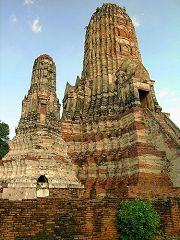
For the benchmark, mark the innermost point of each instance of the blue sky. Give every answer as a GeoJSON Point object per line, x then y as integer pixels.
{"type": "Point", "coordinates": [29, 28]}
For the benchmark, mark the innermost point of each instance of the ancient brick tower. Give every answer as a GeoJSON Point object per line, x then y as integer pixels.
{"type": "Point", "coordinates": [64, 178]}
{"type": "Point", "coordinates": [38, 159]}
{"type": "Point", "coordinates": [111, 60]}
{"type": "Point", "coordinates": [117, 135]}
{"type": "Point", "coordinates": [113, 138]}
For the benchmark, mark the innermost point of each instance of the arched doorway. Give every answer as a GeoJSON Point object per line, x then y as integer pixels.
{"type": "Point", "coordinates": [42, 186]}
{"type": "Point", "coordinates": [42, 179]}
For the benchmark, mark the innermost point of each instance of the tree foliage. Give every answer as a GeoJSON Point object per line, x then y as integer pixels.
{"type": "Point", "coordinates": [137, 220]}
{"type": "Point", "coordinates": [4, 132]}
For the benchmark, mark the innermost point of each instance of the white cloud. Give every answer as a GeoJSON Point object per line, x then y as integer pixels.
{"type": "Point", "coordinates": [36, 26]}
{"type": "Point", "coordinates": [135, 22]}
{"type": "Point", "coordinates": [13, 19]}
{"type": "Point", "coordinates": [27, 2]}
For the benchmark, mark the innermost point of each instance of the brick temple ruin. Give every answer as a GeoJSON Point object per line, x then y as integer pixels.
{"type": "Point", "coordinates": [64, 178]}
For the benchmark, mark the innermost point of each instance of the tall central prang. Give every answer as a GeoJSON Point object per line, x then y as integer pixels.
{"type": "Point", "coordinates": [112, 68]}
{"type": "Point", "coordinates": [115, 130]}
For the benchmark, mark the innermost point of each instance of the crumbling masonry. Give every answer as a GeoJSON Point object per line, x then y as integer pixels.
{"type": "Point", "coordinates": [112, 143]}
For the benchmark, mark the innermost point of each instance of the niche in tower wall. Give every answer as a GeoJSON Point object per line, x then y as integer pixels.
{"type": "Point", "coordinates": [43, 109]}
{"type": "Point", "coordinates": [42, 186]}
{"type": "Point", "coordinates": [42, 112]}
{"type": "Point", "coordinates": [144, 98]}
{"type": "Point", "coordinates": [42, 179]}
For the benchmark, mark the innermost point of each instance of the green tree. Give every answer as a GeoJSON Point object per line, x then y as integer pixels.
{"type": "Point", "coordinates": [137, 220]}
{"type": "Point", "coordinates": [4, 132]}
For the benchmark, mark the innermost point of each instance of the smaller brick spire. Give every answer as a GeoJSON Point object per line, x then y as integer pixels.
{"type": "Point", "coordinates": [40, 107]}
{"type": "Point", "coordinates": [45, 56]}
{"type": "Point", "coordinates": [44, 75]}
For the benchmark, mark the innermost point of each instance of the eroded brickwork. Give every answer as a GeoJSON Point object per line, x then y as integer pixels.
{"type": "Point", "coordinates": [112, 69]}
{"type": "Point", "coordinates": [64, 218]}
{"type": "Point", "coordinates": [65, 177]}
{"type": "Point", "coordinates": [38, 149]}
{"type": "Point", "coordinates": [111, 116]}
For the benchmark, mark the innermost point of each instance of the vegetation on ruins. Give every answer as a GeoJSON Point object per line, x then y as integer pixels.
{"type": "Point", "coordinates": [98, 9]}
{"type": "Point", "coordinates": [124, 9]}
{"type": "Point", "coordinates": [4, 133]}
{"type": "Point", "coordinates": [137, 220]}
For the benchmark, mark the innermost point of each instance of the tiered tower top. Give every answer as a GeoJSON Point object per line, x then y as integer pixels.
{"type": "Point", "coordinates": [41, 108]}
{"type": "Point", "coordinates": [110, 39]}
{"type": "Point", "coordinates": [45, 57]}
{"type": "Point", "coordinates": [111, 57]}
{"type": "Point", "coordinates": [44, 75]}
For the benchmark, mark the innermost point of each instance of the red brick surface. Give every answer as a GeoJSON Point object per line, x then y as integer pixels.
{"type": "Point", "coordinates": [63, 218]}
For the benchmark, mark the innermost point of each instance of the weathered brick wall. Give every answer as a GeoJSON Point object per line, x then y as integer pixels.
{"type": "Point", "coordinates": [71, 218]}
{"type": "Point", "coordinates": [169, 210]}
